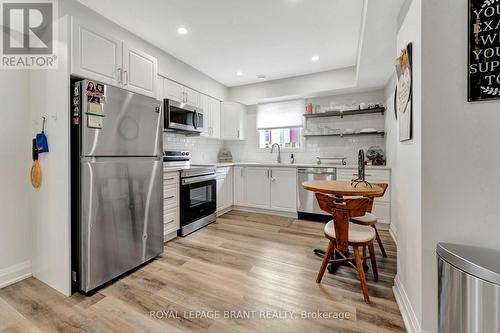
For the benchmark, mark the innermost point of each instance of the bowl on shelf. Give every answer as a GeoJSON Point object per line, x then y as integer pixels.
{"type": "Point", "coordinates": [348, 131]}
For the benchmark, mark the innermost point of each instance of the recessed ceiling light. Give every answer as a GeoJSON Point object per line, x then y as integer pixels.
{"type": "Point", "coordinates": [261, 77]}
{"type": "Point", "coordinates": [315, 58]}
{"type": "Point", "coordinates": [239, 73]}
{"type": "Point", "coordinates": [182, 31]}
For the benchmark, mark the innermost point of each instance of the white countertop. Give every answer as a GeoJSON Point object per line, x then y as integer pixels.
{"type": "Point", "coordinates": [276, 165]}
{"type": "Point", "coordinates": [299, 165]}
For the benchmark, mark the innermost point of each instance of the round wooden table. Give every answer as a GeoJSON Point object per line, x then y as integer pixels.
{"type": "Point", "coordinates": [341, 188]}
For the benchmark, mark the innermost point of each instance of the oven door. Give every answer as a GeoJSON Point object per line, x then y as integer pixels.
{"type": "Point", "coordinates": [198, 198]}
{"type": "Point", "coordinates": [182, 117]}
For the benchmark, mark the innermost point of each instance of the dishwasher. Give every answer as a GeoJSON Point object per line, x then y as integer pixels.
{"type": "Point", "coordinates": [308, 205]}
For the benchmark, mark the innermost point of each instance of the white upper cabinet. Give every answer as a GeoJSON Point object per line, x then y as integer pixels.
{"type": "Point", "coordinates": [139, 71]}
{"type": "Point", "coordinates": [233, 121]}
{"type": "Point", "coordinates": [173, 90]}
{"type": "Point", "coordinates": [257, 189]}
{"type": "Point", "coordinates": [191, 97]}
{"type": "Point", "coordinates": [284, 189]}
{"type": "Point", "coordinates": [211, 116]}
{"type": "Point", "coordinates": [97, 56]}
{"type": "Point", "coordinates": [215, 117]}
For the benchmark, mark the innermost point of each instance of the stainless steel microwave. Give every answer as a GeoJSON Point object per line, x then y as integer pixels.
{"type": "Point", "coordinates": [182, 117]}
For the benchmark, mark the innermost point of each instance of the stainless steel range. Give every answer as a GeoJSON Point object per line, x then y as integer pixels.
{"type": "Point", "coordinates": [197, 191]}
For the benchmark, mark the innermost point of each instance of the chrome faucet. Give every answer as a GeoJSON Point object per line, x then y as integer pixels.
{"type": "Point", "coordinates": [278, 160]}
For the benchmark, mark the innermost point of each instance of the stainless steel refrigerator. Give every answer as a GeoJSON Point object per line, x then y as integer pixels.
{"type": "Point", "coordinates": [116, 182]}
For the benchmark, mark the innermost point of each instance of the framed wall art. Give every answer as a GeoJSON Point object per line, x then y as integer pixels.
{"type": "Point", "coordinates": [403, 95]}
{"type": "Point", "coordinates": [484, 50]}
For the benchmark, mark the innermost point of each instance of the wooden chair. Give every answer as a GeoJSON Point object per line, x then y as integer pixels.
{"type": "Point", "coordinates": [342, 234]}
{"type": "Point", "coordinates": [371, 220]}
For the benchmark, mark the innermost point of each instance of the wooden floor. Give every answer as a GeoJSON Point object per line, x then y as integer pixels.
{"type": "Point", "coordinates": [255, 265]}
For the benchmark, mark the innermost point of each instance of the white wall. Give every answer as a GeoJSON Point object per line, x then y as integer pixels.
{"type": "Point", "coordinates": [249, 151]}
{"type": "Point", "coordinates": [15, 162]}
{"type": "Point", "coordinates": [405, 160]}
{"type": "Point", "coordinates": [460, 152]}
{"type": "Point", "coordinates": [50, 204]}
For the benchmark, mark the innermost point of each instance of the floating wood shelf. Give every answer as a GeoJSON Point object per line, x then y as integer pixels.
{"type": "Point", "coordinates": [342, 135]}
{"type": "Point", "coordinates": [345, 113]}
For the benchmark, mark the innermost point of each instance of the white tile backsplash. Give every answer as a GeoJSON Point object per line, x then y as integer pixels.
{"type": "Point", "coordinates": [202, 150]}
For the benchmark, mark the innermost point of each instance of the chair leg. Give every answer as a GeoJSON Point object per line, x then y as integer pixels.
{"type": "Point", "coordinates": [326, 259]}
{"type": "Point", "coordinates": [364, 255]}
{"type": "Point", "coordinates": [361, 273]}
{"type": "Point", "coordinates": [379, 241]}
{"type": "Point", "coordinates": [373, 259]}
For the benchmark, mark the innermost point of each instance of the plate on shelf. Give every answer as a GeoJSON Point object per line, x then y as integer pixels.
{"type": "Point", "coordinates": [368, 130]}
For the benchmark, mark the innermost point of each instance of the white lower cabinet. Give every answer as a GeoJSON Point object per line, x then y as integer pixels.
{"type": "Point", "coordinates": [224, 188]}
{"type": "Point", "coordinates": [266, 188]}
{"type": "Point", "coordinates": [258, 192]}
{"type": "Point", "coordinates": [284, 189]}
{"type": "Point", "coordinates": [239, 193]}
{"type": "Point", "coordinates": [171, 193]}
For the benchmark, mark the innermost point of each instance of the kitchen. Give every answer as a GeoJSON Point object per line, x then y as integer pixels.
{"type": "Point", "coordinates": [183, 179]}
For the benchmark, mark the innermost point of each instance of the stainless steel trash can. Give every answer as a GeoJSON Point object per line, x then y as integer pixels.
{"type": "Point", "coordinates": [469, 289]}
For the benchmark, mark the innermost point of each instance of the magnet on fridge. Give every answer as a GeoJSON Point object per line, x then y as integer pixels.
{"type": "Point", "coordinates": [94, 121]}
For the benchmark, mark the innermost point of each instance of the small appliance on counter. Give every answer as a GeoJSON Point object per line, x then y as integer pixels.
{"type": "Point", "coordinates": [225, 156]}
{"type": "Point", "coordinates": [198, 191]}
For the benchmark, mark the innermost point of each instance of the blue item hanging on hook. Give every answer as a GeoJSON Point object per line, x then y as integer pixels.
{"type": "Point", "coordinates": [42, 146]}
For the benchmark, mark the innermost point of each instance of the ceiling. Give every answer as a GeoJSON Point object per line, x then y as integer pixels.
{"type": "Point", "coordinates": [276, 38]}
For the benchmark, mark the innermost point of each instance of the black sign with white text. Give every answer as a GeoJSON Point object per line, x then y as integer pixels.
{"type": "Point", "coordinates": [484, 50]}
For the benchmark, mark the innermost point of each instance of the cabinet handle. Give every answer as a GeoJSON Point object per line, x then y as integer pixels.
{"type": "Point", "coordinates": [271, 173]}
{"type": "Point", "coordinates": [238, 134]}
{"type": "Point", "coordinates": [170, 197]}
{"type": "Point", "coordinates": [171, 178]}
{"type": "Point", "coordinates": [125, 73]}
{"type": "Point", "coordinates": [171, 221]}
{"type": "Point", "coordinates": [267, 173]}
{"type": "Point", "coordinates": [120, 75]}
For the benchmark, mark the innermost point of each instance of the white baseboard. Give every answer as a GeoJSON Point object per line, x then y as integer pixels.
{"type": "Point", "coordinates": [410, 319]}
{"type": "Point", "coordinates": [170, 236]}
{"type": "Point", "coordinates": [15, 273]}
{"type": "Point", "coordinates": [265, 211]}
{"type": "Point", "coordinates": [393, 235]}
{"type": "Point", "coordinates": [224, 211]}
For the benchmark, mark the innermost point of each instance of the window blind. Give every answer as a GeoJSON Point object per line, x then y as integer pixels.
{"type": "Point", "coordinates": [280, 114]}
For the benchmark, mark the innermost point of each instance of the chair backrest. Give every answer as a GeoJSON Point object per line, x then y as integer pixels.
{"type": "Point", "coordinates": [342, 209]}
{"type": "Point", "coordinates": [384, 187]}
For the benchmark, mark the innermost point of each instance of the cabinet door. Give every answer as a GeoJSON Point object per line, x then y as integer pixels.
{"type": "Point", "coordinates": [221, 196]}
{"type": "Point", "coordinates": [284, 189]}
{"type": "Point", "coordinates": [139, 71]}
{"type": "Point", "coordinates": [215, 120]}
{"type": "Point", "coordinates": [192, 97]}
{"type": "Point", "coordinates": [228, 185]}
{"type": "Point", "coordinates": [173, 90]}
{"type": "Point", "coordinates": [382, 211]}
{"type": "Point", "coordinates": [232, 121]}
{"type": "Point", "coordinates": [239, 193]}
{"type": "Point", "coordinates": [207, 115]}
{"type": "Point", "coordinates": [257, 188]}
{"type": "Point", "coordinates": [95, 55]}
